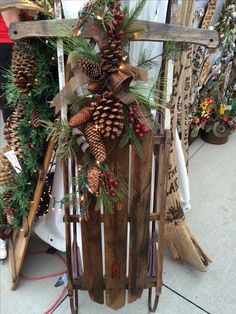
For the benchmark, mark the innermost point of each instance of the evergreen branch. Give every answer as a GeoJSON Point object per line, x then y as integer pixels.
{"type": "Point", "coordinates": [145, 60]}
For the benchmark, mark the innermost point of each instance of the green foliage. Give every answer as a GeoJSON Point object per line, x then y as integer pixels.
{"type": "Point", "coordinates": [130, 137]}
{"type": "Point", "coordinates": [32, 140]}
{"type": "Point", "coordinates": [61, 130]}
{"type": "Point", "coordinates": [127, 23]}
{"type": "Point", "coordinates": [81, 47]}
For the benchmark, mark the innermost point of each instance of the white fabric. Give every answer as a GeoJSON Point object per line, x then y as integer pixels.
{"type": "Point", "coordinates": [3, 249]}
{"type": "Point", "coordinates": [182, 176]}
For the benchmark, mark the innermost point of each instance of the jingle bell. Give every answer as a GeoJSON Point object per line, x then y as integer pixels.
{"type": "Point", "coordinates": [119, 80]}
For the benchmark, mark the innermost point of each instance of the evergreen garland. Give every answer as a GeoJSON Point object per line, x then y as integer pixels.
{"type": "Point", "coordinates": [32, 140]}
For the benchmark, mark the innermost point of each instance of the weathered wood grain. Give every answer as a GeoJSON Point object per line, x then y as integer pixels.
{"type": "Point", "coordinates": [115, 227]}
{"type": "Point", "coordinates": [17, 251]}
{"type": "Point", "coordinates": [92, 254]}
{"type": "Point", "coordinates": [151, 32]}
{"type": "Point", "coordinates": [139, 225]}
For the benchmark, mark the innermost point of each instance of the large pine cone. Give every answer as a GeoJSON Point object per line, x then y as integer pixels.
{"type": "Point", "coordinates": [80, 117]}
{"type": "Point", "coordinates": [108, 115]}
{"type": "Point", "coordinates": [90, 68]}
{"type": "Point", "coordinates": [111, 57]}
{"type": "Point", "coordinates": [93, 179]}
{"type": "Point", "coordinates": [96, 145]}
{"type": "Point", "coordinates": [10, 129]}
{"type": "Point", "coordinates": [35, 118]}
{"type": "Point", "coordinates": [23, 66]}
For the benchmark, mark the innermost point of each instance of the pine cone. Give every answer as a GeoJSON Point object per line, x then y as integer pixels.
{"type": "Point", "coordinates": [23, 66]}
{"type": "Point", "coordinates": [10, 129]}
{"type": "Point", "coordinates": [111, 57]}
{"type": "Point", "coordinates": [108, 115]}
{"type": "Point", "coordinates": [96, 145]}
{"type": "Point", "coordinates": [95, 86]}
{"type": "Point", "coordinates": [93, 179]}
{"type": "Point", "coordinates": [5, 169]}
{"type": "Point", "coordinates": [90, 68]}
{"type": "Point", "coordinates": [35, 118]}
{"type": "Point", "coordinates": [8, 210]}
{"type": "Point", "coordinates": [80, 117]}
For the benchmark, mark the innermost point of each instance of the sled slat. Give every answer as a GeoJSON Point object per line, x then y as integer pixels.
{"type": "Point", "coordinates": [92, 254]}
{"type": "Point", "coordinates": [139, 225]}
{"type": "Point", "coordinates": [115, 226]}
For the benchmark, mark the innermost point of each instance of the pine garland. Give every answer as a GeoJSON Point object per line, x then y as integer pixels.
{"type": "Point", "coordinates": [32, 140]}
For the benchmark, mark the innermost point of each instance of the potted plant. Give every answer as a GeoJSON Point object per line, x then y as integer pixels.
{"type": "Point", "coordinates": [215, 118]}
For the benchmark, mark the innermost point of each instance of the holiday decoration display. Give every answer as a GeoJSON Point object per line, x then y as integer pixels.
{"type": "Point", "coordinates": [29, 89]}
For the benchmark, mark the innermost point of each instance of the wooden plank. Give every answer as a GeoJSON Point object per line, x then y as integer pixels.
{"type": "Point", "coordinates": [152, 32]}
{"type": "Point", "coordinates": [161, 184]}
{"type": "Point", "coordinates": [139, 226]}
{"type": "Point", "coordinates": [18, 250]}
{"type": "Point", "coordinates": [115, 227]}
{"type": "Point", "coordinates": [92, 254]}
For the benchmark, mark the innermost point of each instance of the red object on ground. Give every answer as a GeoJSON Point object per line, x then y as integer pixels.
{"type": "Point", "coordinates": [4, 38]}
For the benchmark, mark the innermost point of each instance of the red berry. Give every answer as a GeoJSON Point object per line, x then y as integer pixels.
{"type": "Point", "coordinates": [121, 33]}
{"type": "Point", "coordinates": [141, 135]}
{"type": "Point", "coordinates": [131, 113]}
{"type": "Point", "coordinates": [138, 126]}
{"type": "Point", "coordinates": [113, 194]}
{"type": "Point", "coordinates": [102, 175]}
{"type": "Point", "coordinates": [116, 183]}
{"type": "Point", "coordinates": [134, 109]}
{"type": "Point", "coordinates": [110, 32]}
{"type": "Point", "coordinates": [115, 23]}
{"type": "Point", "coordinates": [103, 184]}
{"type": "Point", "coordinates": [131, 120]}
{"type": "Point", "coordinates": [137, 131]}
{"type": "Point", "coordinates": [111, 180]}
{"type": "Point", "coordinates": [107, 193]}
{"type": "Point", "coordinates": [139, 115]}
{"type": "Point", "coordinates": [145, 130]}
{"type": "Point", "coordinates": [142, 124]}
{"type": "Point", "coordinates": [108, 174]}
{"type": "Point", "coordinates": [121, 16]}
{"type": "Point", "coordinates": [111, 189]}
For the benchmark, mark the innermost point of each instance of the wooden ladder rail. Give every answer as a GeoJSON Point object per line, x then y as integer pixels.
{"type": "Point", "coordinates": [19, 240]}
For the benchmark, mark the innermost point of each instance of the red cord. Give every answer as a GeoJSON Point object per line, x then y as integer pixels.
{"type": "Point", "coordinates": [48, 276]}
{"type": "Point", "coordinates": [56, 302]}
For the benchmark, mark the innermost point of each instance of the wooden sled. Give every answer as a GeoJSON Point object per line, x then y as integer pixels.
{"type": "Point", "coordinates": [111, 273]}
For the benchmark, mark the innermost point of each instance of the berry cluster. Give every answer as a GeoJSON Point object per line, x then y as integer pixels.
{"type": "Point", "coordinates": [138, 127]}
{"type": "Point", "coordinates": [114, 34]}
{"type": "Point", "coordinates": [108, 183]}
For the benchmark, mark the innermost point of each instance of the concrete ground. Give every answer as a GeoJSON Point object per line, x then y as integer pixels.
{"type": "Point", "coordinates": [212, 220]}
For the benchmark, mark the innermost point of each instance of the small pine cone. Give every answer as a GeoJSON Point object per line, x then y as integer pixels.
{"type": "Point", "coordinates": [95, 86]}
{"type": "Point", "coordinates": [111, 57]}
{"type": "Point", "coordinates": [35, 118]}
{"type": "Point", "coordinates": [108, 115]}
{"type": "Point", "coordinates": [90, 68]}
{"type": "Point", "coordinates": [96, 145]}
{"type": "Point", "coordinates": [93, 179]}
{"type": "Point", "coordinates": [9, 213]}
{"type": "Point", "coordinates": [80, 117]}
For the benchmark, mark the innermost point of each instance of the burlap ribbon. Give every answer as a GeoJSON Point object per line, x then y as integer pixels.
{"type": "Point", "coordinates": [79, 79]}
